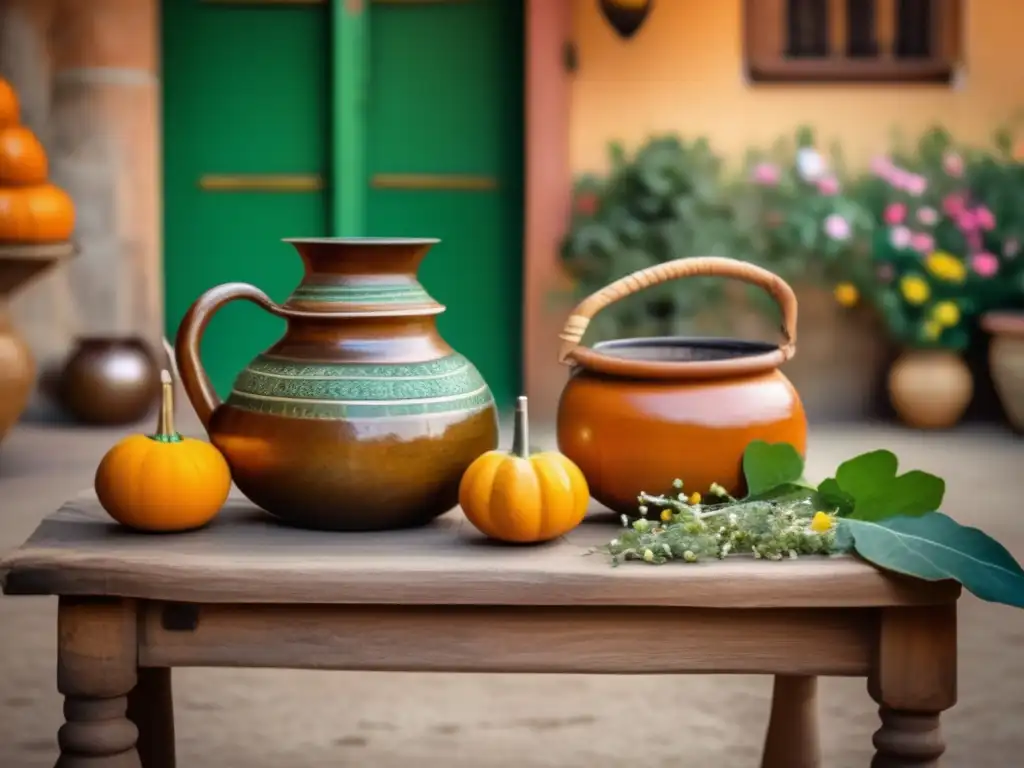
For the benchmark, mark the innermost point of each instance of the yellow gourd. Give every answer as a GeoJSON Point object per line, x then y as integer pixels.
{"type": "Point", "coordinates": [163, 482]}
{"type": "Point", "coordinates": [522, 498]}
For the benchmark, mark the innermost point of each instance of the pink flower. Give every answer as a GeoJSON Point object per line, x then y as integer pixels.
{"type": "Point", "coordinates": [1011, 248]}
{"type": "Point", "coordinates": [966, 221]}
{"type": "Point", "coordinates": [985, 264]}
{"type": "Point", "coordinates": [900, 238]}
{"type": "Point", "coordinates": [899, 178]}
{"type": "Point", "coordinates": [766, 174]}
{"type": "Point", "coordinates": [973, 238]}
{"type": "Point", "coordinates": [953, 164]}
{"type": "Point", "coordinates": [927, 216]}
{"type": "Point", "coordinates": [895, 213]}
{"type": "Point", "coordinates": [837, 228]}
{"type": "Point", "coordinates": [882, 167]}
{"type": "Point", "coordinates": [916, 184]}
{"type": "Point", "coordinates": [922, 241]}
{"type": "Point", "coordinates": [828, 185]}
{"type": "Point", "coordinates": [985, 218]}
{"type": "Point", "coordinates": [953, 205]}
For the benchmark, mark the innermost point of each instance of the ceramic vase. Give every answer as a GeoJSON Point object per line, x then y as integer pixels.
{"type": "Point", "coordinates": [1006, 363]}
{"type": "Point", "coordinates": [930, 389]}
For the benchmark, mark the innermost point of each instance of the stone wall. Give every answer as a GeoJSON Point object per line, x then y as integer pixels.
{"type": "Point", "coordinates": [85, 71]}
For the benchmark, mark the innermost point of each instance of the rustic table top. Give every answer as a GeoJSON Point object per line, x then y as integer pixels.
{"type": "Point", "coordinates": [244, 556]}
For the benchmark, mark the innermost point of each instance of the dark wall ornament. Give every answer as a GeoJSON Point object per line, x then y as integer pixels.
{"type": "Point", "coordinates": [626, 16]}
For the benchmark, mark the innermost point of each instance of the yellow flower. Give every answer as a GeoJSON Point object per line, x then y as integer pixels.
{"type": "Point", "coordinates": [946, 314]}
{"type": "Point", "coordinates": [695, 497]}
{"type": "Point", "coordinates": [821, 522]}
{"type": "Point", "coordinates": [846, 294]}
{"type": "Point", "coordinates": [666, 516]}
{"type": "Point", "coordinates": [915, 290]}
{"type": "Point", "coordinates": [946, 267]}
{"type": "Point", "coordinates": [931, 330]}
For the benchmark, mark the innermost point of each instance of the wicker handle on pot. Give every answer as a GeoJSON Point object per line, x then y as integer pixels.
{"type": "Point", "coordinates": [698, 266]}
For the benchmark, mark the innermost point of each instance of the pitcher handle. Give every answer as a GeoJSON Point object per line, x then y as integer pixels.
{"type": "Point", "coordinates": [696, 266]}
{"type": "Point", "coordinates": [197, 384]}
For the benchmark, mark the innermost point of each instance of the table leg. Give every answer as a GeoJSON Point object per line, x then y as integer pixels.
{"type": "Point", "coordinates": [151, 708]}
{"type": "Point", "coordinates": [792, 740]}
{"type": "Point", "coordinates": [913, 680]}
{"type": "Point", "coordinates": [96, 661]}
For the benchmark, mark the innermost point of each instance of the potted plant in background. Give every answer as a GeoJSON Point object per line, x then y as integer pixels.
{"type": "Point", "coordinates": [935, 273]}
{"type": "Point", "coordinates": [667, 201]}
{"type": "Point", "coordinates": [998, 178]}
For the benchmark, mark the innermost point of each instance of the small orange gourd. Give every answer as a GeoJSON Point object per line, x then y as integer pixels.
{"type": "Point", "coordinates": [43, 213]}
{"type": "Point", "coordinates": [10, 109]}
{"type": "Point", "coordinates": [521, 498]}
{"type": "Point", "coordinates": [163, 482]}
{"type": "Point", "coordinates": [23, 160]}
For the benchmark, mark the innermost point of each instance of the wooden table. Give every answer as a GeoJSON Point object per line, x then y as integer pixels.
{"type": "Point", "coordinates": [246, 592]}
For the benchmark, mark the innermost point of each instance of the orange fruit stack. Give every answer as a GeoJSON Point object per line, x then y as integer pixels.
{"type": "Point", "coordinates": [32, 210]}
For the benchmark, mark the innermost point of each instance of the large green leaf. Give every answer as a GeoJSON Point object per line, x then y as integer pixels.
{"type": "Point", "coordinates": [867, 488]}
{"type": "Point", "coordinates": [769, 466]}
{"type": "Point", "coordinates": [934, 547]}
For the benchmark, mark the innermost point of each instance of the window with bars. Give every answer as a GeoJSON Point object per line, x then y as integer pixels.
{"type": "Point", "coordinates": [852, 40]}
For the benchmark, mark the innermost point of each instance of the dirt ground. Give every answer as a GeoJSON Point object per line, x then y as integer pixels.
{"type": "Point", "coordinates": [269, 718]}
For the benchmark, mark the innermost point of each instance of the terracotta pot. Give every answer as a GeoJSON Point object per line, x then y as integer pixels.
{"type": "Point", "coordinates": [361, 417]}
{"type": "Point", "coordinates": [19, 264]}
{"type": "Point", "coordinates": [930, 389]}
{"type": "Point", "coordinates": [109, 381]}
{"type": "Point", "coordinates": [17, 372]}
{"type": "Point", "coordinates": [1006, 362]}
{"type": "Point", "coordinates": [638, 413]}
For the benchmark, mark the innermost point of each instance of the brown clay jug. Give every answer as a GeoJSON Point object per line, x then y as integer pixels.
{"type": "Point", "coordinates": [638, 413]}
{"type": "Point", "coordinates": [360, 417]}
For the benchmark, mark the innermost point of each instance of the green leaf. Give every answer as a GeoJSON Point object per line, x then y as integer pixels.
{"type": "Point", "coordinates": [768, 466]}
{"type": "Point", "coordinates": [934, 547]}
{"type": "Point", "coordinates": [867, 488]}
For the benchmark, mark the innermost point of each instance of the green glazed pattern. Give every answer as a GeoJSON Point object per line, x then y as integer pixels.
{"type": "Point", "coordinates": [406, 292]}
{"type": "Point", "coordinates": [290, 388]}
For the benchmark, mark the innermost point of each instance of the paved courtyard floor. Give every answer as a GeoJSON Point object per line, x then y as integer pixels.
{"type": "Point", "coordinates": [300, 719]}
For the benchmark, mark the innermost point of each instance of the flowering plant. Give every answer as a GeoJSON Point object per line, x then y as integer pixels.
{"type": "Point", "coordinates": [940, 250]}
{"type": "Point", "coordinates": [795, 216]}
{"type": "Point", "coordinates": [666, 201]}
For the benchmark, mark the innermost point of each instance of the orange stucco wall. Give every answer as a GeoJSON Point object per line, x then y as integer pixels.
{"type": "Point", "coordinates": [683, 72]}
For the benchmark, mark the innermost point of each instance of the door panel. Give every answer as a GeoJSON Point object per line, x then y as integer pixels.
{"type": "Point", "coordinates": [444, 158]}
{"type": "Point", "coordinates": [245, 95]}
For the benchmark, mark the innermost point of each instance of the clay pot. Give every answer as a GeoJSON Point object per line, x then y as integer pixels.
{"type": "Point", "coordinates": [1006, 362]}
{"type": "Point", "coordinates": [19, 265]}
{"type": "Point", "coordinates": [361, 417]}
{"type": "Point", "coordinates": [638, 413]}
{"type": "Point", "coordinates": [109, 381]}
{"type": "Point", "coordinates": [930, 389]}
{"type": "Point", "coordinates": [17, 372]}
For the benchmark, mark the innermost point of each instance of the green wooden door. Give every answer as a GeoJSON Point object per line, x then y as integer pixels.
{"type": "Point", "coordinates": [443, 138]}
{"type": "Point", "coordinates": [245, 96]}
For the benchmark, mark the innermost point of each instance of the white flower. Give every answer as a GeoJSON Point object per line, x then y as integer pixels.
{"type": "Point", "coordinates": [810, 164]}
{"type": "Point", "coordinates": [900, 238]}
{"type": "Point", "coordinates": [677, 483]}
{"type": "Point", "coordinates": [643, 509]}
{"type": "Point", "coordinates": [837, 228]}
{"type": "Point", "coordinates": [625, 521]}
